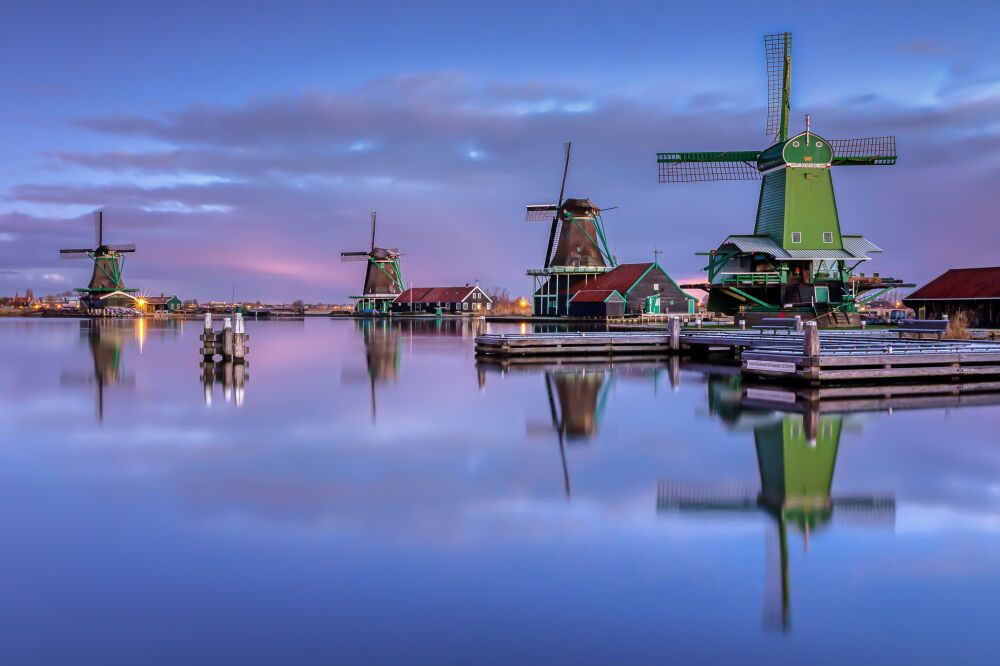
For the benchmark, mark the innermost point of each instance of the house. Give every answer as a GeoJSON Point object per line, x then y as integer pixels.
{"type": "Point", "coordinates": [162, 303]}
{"type": "Point", "coordinates": [596, 303]}
{"type": "Point", "coordinates": [975, 291]}
{"type": "Point", "coordinates": [645, 287]}
{"type": "Point", "coordinates": [469, 299]}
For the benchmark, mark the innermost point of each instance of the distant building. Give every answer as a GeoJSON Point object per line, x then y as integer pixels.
{"type": "Point", "coordinates": [596, 303]}
{"type": "Point", "coordinates": [646, 288]}
{"type": "Point", "coordinates": [162, 303]}
{"type": "Point", "coordinates": [975, 291]}
{"type": "Point", "coordinates": [469, 299]}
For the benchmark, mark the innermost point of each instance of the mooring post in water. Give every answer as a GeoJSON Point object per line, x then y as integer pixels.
{"type": "Point", "coordinates": [227, 339]}
{"type": "Point", "coordinates": [810, 353]}
{"type": "Point", "coordinates": [239, 340]}
{"type": "Point", "coordinates": [798, 323]}
{"type": "Point", "coordinates": [743, 325]}
{"type": "Point", "coordinates": [810, 343]}
{"type": "Point", "coordinates": [864, 325]}
{"type": "Point", "coordinates": [697, 322]}
{"type": "Point", "coordinates": [675, 333]}
{"type": "Point", "coordinates": [208, 339]}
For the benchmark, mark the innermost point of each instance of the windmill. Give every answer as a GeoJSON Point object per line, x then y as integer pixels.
{"type": "Point", "coordinates": [797, 259]}
{"type": "Point", "coordinates": [796, 456]}
{"type": "Point", "coordinates": [383, 280]}
{"type": "Point", "coordinates": [109, 261]}
{"type": "Point", "coordinates": [577, 248]}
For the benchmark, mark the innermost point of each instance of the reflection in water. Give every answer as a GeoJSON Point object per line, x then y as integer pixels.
{"type": "Point", "coordinates": [232, 377]}
{"type": "Point", "coordinates": [576, 400]}
{"type": "Point", "coordinates": [106, 338]}
{"type": "Point", "coordinates": [796, 456]}
{"type": "Point", "coordinates": [383, 349]}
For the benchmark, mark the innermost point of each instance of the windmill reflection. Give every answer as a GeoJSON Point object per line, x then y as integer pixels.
{"type": "Point", "coordinates": [796, 457]}
{"type": "Point", "coordinates": [383, 349]}
{"type": "Point", "coordinates": [576, 401]}
{"type": "Point", "coordinates": [105, 338]}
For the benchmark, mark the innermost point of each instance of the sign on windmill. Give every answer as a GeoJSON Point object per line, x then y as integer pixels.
{"type": "Point", "coordinates": [797, 259]}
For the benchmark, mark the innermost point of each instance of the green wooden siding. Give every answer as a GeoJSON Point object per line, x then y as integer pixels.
{"type": "Point", "coordinates": [771, 209]}
{"type": "Point", "coordinates": [810, 209]}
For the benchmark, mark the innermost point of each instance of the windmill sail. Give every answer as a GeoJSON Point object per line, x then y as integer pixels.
{"type": "Point", "coordinates": [706, 166]}
{"type": "Point", "coordinates": [876, 150]}
{"type": "Point", "coordinates": [778, 55]}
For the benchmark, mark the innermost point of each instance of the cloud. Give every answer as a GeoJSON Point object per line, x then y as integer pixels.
{"type": "Point", "coordinates": [449, 160]}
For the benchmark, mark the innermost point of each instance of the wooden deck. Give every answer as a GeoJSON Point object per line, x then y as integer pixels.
{"type": "Point", "coordinates": [811, 356]}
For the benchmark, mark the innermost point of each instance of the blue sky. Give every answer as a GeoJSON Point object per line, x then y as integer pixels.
{"type": "Point", "coordinates": [236, 144]}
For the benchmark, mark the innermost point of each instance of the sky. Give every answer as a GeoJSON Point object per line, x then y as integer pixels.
{"type": "Point", "coordinates": [243, 147]}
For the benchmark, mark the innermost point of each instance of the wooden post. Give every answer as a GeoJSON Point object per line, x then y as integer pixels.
{"type": "Point", "coordinates": [697, 322]}
{"type": "Point", "coordinates": [743, 325]}
{"type": "Point", "coordinates": [810, 353]}
{"type": "Point", "coordinates": [208, 339]}
{"type": "Point", "coordinates": [227, 340]}
{"type": "Point", "coordinates": [675, 333]}
{"type": "Point", "coordinates": [798, 323]}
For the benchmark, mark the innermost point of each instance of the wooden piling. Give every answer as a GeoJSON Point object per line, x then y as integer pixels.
{"type": "Point", "coordinates": [675, 333]}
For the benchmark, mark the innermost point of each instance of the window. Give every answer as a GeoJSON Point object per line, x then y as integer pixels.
{"type": "Point", "coordinates": [796, 236]}
{"type": "Point", "coordinates": [827, 236]}
{"type": "Point", "coordinates": [465, 306]}
{"type": "Point", "coordinates": [489, 306]}
{"type": "Point", "coordinates": [656, 286]}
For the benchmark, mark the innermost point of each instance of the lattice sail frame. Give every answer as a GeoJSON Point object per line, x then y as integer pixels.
{"type": "Point", "coordinates": [698, 167]}
{"type": "Point", "coordinates": [777, 52]}
{"type": "Point", "coordinates": [875, 150]}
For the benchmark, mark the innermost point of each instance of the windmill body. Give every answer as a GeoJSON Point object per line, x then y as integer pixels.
{"type": "Point", "coordinates": [383, 279]}
{"type": "Point", "coordinates": [576, 252]}
{"type": "Point", "coordinates": [797, 260]}
{"type": "Point", "coordinates": [106, 279]}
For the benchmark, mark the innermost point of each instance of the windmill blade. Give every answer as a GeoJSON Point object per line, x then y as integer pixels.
{"type": "Point", "coordinates": [74, 254]}
{"type": "Point", "coordinates": [878, 512]}
{"type": "Point", "coordinates": [540, 212]}
{"type": "Point", "coordinates": [127, 247]}
{"type": "Point", "coordinates": [98, 226]}
{"type": "Point", "coordinates": [562, 188]}
{"type": "Point", "coordinates": [373, 231]}
{"type": "Point", "coordinates": [778, 58]}
{"type": "Point", "coordinates": [697, 167]}
{"type": "Point", "coordinates": [354, 256]}
{"type": "Point", "coordinates": [875, 150]}
{"type": "Point", "coordinates": [724, 499]}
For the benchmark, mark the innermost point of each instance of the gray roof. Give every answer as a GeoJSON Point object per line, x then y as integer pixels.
{"type": "Point", "coordinates": [855, 247]}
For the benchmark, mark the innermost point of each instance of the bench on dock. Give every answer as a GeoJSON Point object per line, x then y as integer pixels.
{"type": "Point", "coordinates": [920, 326]}
{"type": "Point", "coordinates": [779, 324]}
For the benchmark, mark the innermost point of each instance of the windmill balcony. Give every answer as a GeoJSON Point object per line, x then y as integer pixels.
{"type": "Point", "coordinates": [750, 279]}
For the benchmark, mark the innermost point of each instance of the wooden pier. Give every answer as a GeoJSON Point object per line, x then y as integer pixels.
{"type": "Point", "coordinates": [807, 356]}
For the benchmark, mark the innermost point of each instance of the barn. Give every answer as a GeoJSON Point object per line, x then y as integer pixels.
{"type": "Point", "coordinates": [469, 299]}
{"type": "Point", "coordinates": [596, 303]}
{"type": "Point", "coordinates": [645, 287]}
{"type": "Point", "coordinates": [975, 291]}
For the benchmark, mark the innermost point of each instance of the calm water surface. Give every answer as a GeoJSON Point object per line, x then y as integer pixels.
{"type": "Point", "coordinates": [365, 493]}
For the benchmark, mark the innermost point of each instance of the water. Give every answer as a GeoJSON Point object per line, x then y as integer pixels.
{"type": "Point", "coordinates": [366, 494]}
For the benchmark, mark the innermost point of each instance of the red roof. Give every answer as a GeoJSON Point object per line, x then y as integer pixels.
{"type": "Point", "coordinates": [594, 295]}
{"type": "Point", "coordinates": [621, 278]}
{"type": "Point", "coordinates": [961, 283]}
{"type": "Point", "coordinates": [435, 294]}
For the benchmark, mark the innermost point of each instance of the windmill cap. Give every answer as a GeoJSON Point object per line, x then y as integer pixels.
{"type": "Point", "coordinates": [580, 207]}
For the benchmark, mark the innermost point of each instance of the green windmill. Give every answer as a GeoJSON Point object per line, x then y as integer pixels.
{"type": "Point", "coordinates": [109, 261]}
{"type": "Point", "coordinates": [797, 259]}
